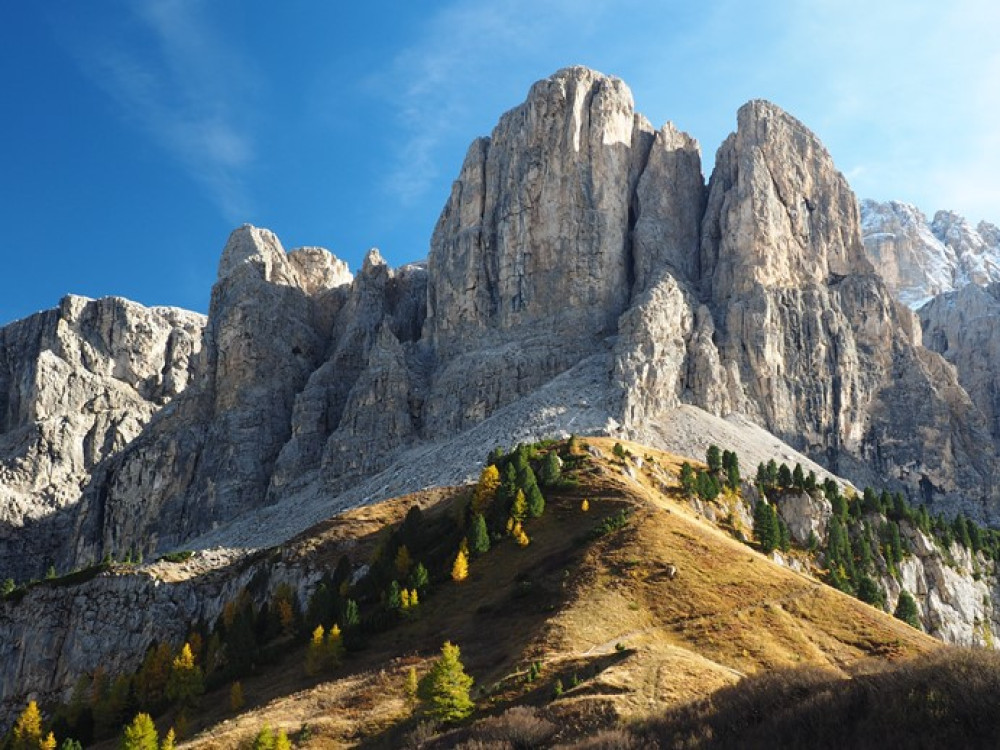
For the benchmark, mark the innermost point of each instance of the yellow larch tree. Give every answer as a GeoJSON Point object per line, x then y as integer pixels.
{"type": "Point", "coordinates": [486, 489]}
{"type": "Point", "coordinates": [28, 729]}
{"type": "Point", "coordinates": [460, 570]}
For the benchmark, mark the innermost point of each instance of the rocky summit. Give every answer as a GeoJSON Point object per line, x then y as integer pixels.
{"type": "Point", "coordinates": [580, 252]}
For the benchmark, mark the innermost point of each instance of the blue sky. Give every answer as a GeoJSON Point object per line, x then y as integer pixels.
{"type": "Point", "coordinates": [135, 134]}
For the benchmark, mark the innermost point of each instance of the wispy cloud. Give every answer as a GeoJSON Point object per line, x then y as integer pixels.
{"type": "Point", "coordinates": [460, 66]}
{"type": "Point", "coordinates": [176, 78]}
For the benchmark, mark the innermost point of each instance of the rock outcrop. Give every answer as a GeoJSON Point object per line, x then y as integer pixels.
{"type": "Point", "coordinates": [919, 259]}
{"type": "Point", "coordinates": [77, 385]}
{"type": "Point", "coordinates": [964, 328]}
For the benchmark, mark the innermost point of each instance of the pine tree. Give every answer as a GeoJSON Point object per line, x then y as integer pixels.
{"type": "Point", "coordinates": [28, 728]}
{"type": "Point", "coordinates": [798, 478]}
{"type": "Point", "coordinates": [140, 734]}
{"type": "Point", "coordinates": [761, 479]}
{"type": "Point", "coordinates": [281, 741]}
{"type": "Point", "coordinates": [393, 598]}
{"type": "Point", "coordinates": [351, 617]}
{"type": "Point", "coordinates": [689, 480]}
{"type": "Point", "coordinates": [8, 586]}
{"type": "Point", "coordinates": [49, 743]}
{"type": "Point", "coordinates": [784, 476]}
{"type": "Point", "coordinates": [404, 598]}
{"type": "Point", "coordinates": [445, 689]}
{"type": "Point", "coordinates": [419, 578]}
{"type": "Point", "coordinates": [70, 744]}
{"type": "Point", "coordinates": [765, 527]}
{"type": "Point", "coordinates": [713, 458]}
{"type": "Point", "coordinates": [486, 489]}
{"type": "Point", "coordinates": [906, 610]}
{"type": "Point", "coordinates": [772, 473]}
{"type": "Point", "coordinates": [460, 569]}
{"type": "Point", "coordinates": [551, 469]}
{"type": "Point", "coordinates": [170, 740]}
{"type": "Point", "coordinates": [479, 538]}
{"type": "Point", "coordinates": [185, 684]}
{"type": "Point", "coordinates": [585, 505]}
{"type": "Point", "coordinates": [414, 599]}
{"type": "Point", "coordinates": [870, 592]}
{"type": "Point", "coordinates": [536, 503]}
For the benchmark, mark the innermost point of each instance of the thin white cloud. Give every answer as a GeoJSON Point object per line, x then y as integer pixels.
{"type": "Point", "coordinates": [180, 83]}
{"type": "Point", "coordinates": [440, 79]}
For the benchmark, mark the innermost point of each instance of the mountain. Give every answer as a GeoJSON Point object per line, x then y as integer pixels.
{"type": "Point", "coordinates": [581, 252]}
{"type": "Point", "coordinates": [583, 278]}
{"type": "Point", "coordinates": [919, 259]}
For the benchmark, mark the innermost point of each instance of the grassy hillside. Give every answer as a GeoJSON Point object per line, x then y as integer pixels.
{"type": "Point", "coordinates": [598, 614]}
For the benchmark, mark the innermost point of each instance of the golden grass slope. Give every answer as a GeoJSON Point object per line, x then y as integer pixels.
{"type": "Point", "coordinates": [602, 615]}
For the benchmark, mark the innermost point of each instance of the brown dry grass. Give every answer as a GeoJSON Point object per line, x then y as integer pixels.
{"type": "Point", "coordinates": [568, 603]}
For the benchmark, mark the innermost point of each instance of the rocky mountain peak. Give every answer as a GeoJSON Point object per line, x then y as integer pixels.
{"type": "Point", "coordinates": [919, 258]}
{"type": "Point", "coordinates": [779, 213]}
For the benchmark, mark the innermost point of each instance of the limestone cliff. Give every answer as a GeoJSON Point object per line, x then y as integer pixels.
{"type": "Point", "coordinates": [77, 385]}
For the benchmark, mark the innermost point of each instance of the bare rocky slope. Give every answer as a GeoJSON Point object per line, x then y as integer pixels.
{"type": "Point", "coordinates": [582, 278]}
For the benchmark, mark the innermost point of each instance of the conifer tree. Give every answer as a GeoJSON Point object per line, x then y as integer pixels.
{"type": "Point", "coordinates": [689, 480]}
{"type": "Point", "coordinates": [519, 509]}
{"type": "Point", "coordinates": [551, 470]}
{"type": "Point", "coordinates": [486, 489]}
{"type": "Point", "coordinates": [49, 743]}
{"type": "Point", "coordinates": [765, 527]}
{"type": "Point", "coordinates": [761, 478]}
{"type": "Point", "coordinates": [170, 740]}
{"type": "Point", "coordinates": [713, 458]}
{"type": "Point", "coordinates": [281, 741]}
{"type": "Point", "coordinates": [393, 599]}
{"type": "Point", "coordinates": [772, 473]}
{"type": "Point", "coordinates": [479, 538]}
{"type": "Point", "coordinates": [185, 684]}
{"type": "Point", "coordinates": [314, 651]}
{"type": "Point", "coordinates": [412, 684]}
{"type": "Point", "coordinates": [419, 578]}
{"type": "Point", "coordinates": [460, 569]}
{"type": "Point", "coordinates": [784, 476]}
{"type": "Point", "coordinates": [414, 598]}
{"type": "Point", "coordinates": [585, 505]}
{"type": "Point", "coordinates": [140, 734]}
{"type": "Point", "coordinates": [906, 610]}
{"type": "Point", "coordinates": [351, 617]}
{"type": "Point", "coordinates": [445, 689]}
{"type": "Point", "coordinates": [404, 598]}
{"type": "Point", "coordinates": [798, 478]}
{"type": "Point", "coordinates": [264, 739]}
{"type": "Point", "coordinates": [333, 647]}
{"type": "Point", "coordinates": [28, 728]}
{"type": "Point", "coordinates": [536, 503]}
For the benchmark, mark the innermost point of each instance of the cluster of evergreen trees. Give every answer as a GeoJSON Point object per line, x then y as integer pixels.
{"type": "Point", "coordinates": [723, 473]}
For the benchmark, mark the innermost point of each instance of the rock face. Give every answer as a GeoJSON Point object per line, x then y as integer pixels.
{"type": "Point", "coordinates": [964, 327]}
{"type": "Point", "coordinates": [919, 259]}
{"type": "Point", "coordinates": [77, 385]}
